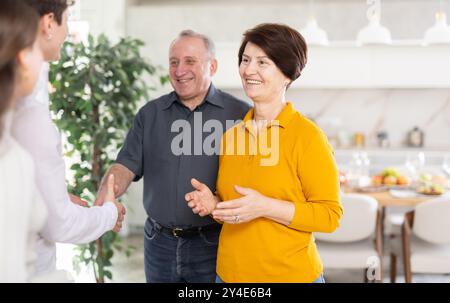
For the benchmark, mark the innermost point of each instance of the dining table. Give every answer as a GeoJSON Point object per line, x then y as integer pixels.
{"type": "Point", "coordinates": [391, 197]}
{"type": "Point", "coordinates": [386, 199]}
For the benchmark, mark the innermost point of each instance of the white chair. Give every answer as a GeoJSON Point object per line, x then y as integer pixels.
{"type": "Point", "coordinates": [357, 243]}
{"type": "Point", "coordinates": [425, 244]}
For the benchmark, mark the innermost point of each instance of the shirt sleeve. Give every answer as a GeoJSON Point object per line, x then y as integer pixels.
{"type": "Point", "coordinates": [320, 183]}
{"type": "Point", "coordinates": [131, 154]}
{"type": "Point", "coordinates": [67, 222]}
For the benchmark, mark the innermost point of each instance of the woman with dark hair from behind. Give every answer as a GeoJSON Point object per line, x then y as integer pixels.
{"type": "Point", "coordinates": [22, 211]}
{"type": "Point", "coordinates": [69, 220]}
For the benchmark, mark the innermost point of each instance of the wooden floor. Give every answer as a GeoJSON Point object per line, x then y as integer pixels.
{"type": "Point", "coordinates": [131, 270]}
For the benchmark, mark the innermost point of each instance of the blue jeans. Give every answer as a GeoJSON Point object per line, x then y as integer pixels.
{"type": "Point", "coordinates": [320, 279]}
{"type": "Point", "coordinates": [179, 260]}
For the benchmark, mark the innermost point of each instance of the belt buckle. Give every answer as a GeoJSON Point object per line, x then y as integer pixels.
{"type": "Point", "coordinates": [175, 232]}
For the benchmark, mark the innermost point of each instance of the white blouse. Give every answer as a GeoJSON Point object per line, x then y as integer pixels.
{"type": "Point", "coordinates": [67, 222]}
{"type": "Point", "coordinates": [22, 212]}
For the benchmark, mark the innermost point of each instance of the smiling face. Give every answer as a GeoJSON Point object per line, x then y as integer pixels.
{"type": "Point", "coordinates": [191, 68]}
{"type": "Point", "coordinates": [262, 80]}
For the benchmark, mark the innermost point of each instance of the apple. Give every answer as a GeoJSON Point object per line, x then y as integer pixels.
{"type": "Point", "coordinates": [377, 180]}
{"type": "Point", "coordinates": [390, 180]}
{"type": "Point", "coordinates": [402, 180]}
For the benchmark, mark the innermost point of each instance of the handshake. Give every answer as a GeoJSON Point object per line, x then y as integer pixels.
{"type": "Point", "coordinates": [105, 196]}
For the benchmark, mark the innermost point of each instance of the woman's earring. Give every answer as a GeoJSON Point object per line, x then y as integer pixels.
{"type": "Point", "coordinates": [49, 37]}
{"type": "Point", "coordinates": [25, 74]}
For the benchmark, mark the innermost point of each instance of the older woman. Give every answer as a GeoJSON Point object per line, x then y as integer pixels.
{"type": "Point", "coordinates": [277, 177]}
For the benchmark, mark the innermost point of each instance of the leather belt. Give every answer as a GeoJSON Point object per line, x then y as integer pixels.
{"type": "Point", "coordinates": [187, 232]}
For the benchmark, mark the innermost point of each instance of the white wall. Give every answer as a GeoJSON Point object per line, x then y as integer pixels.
{"type": "Point", "coordinates": [157, 22]}
{"type": "Point", "coordinates": [105, 16]}
{"type": "Point", "coordinates": [371, 110]}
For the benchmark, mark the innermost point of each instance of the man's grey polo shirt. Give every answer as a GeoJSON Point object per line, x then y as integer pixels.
{"type": "Point", "coordinates": [147, 153]}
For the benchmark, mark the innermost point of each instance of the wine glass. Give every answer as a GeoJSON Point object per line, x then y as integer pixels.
{"type": "Point", "coordinates": [446, 165]}
{"type": "Point", "coordinates": [354, 172]}
{"type": "Point", "coordinates": [415, 163]}
{"type": "Point", "coordinates": [359, 170]}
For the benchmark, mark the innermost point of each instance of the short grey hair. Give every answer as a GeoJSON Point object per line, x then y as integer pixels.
{"type": "Point", "coordinates": [209, 44]}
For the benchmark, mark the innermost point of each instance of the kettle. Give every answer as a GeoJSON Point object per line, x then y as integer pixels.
{"type": "Point", "coordinates": [415, 137]}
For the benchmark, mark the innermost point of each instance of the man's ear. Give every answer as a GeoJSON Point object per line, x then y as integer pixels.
{"type": "Point", "coordinates": [213, 67]}
{"type": "Point", "coordinates": [47, 23]}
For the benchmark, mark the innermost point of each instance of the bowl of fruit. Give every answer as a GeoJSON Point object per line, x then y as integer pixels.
{"type": "Point", "coordinates": [390, 177]}
{"type": "Point", "coordinates": [430, 189]}
{"type": "Point", "coordinates": [431, 185]}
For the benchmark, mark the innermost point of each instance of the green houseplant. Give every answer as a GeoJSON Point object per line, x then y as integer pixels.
{"type": "Point", "coordinates": [97, 87]}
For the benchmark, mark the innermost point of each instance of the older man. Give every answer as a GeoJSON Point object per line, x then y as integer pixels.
{"type": "Point", "coordinates": [179, 245]}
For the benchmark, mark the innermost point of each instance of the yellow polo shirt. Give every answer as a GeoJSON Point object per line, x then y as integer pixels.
{"type": "Point", "coordinates": [295, 163]}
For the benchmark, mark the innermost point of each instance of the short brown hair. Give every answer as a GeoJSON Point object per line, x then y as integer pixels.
{"type": "Point", "coordinates": [18, 31]}
{"type": "Point", "coordinates": [282, 44]}
{"type": "Point", "coordinates": [57, 7]}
